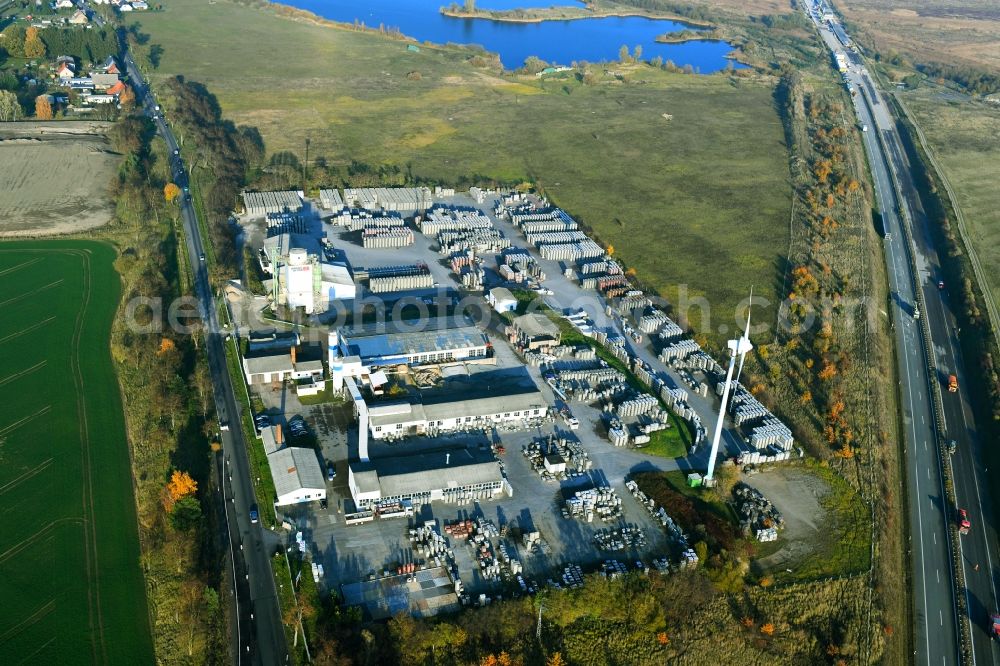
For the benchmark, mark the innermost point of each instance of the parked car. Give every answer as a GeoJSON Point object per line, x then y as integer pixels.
{"type": "Point", "coordinates": [331, 472]}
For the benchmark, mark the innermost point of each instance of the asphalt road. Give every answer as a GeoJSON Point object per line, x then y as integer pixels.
{"type": "Point", "coordinates": [936, 618]}
{"type": "Point", "coordinates": [258, 633]}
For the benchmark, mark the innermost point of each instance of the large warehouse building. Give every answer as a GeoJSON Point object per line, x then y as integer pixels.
{"type": "Point", "coordinates": [448, 476]}
{"type": "Point", "coordinates": [399, 419]}
{"type": "Point", "coordinates": [437, 340]}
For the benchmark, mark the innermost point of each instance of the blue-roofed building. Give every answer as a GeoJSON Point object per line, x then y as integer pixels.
{"type": "Point", "coordinates": [432, 340]}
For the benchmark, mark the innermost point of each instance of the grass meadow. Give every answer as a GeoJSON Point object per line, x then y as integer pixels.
{"type": "Point", "coordinates": [965, 138]}
{"type": "Point", "coordinates": [685, 200]}
{"type": "Point", "coordinates": [70, 576]}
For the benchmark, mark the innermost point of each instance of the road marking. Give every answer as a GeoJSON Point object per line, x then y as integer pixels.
{"type": "Point", "coordinates": [938, 572]}
{"type": "Point", "coordinates": [934, 534]}
{"type": "Point", "coordinates": [941, 618]}
{"type": "Point", "coordinates": [928, 472]}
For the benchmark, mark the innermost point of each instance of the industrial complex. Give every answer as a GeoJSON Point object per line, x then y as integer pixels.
{"type": "Point", "coordinates": [417, 412]}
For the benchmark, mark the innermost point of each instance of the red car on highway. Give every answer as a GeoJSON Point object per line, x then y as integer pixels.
{"type": "Point", "coordinates": [963, 522]}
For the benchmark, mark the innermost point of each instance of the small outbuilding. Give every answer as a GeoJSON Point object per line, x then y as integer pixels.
{"type": "Point", "coordinates": [502, 300]}
{"type": "Point", "coordinates": [297, 475]}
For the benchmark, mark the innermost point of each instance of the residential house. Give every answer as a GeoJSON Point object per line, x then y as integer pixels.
{"type": "Point", "coordinates": [116, 89]}
{"type": "Point", "coordinates": [139, 5]}
{"type": "Point", "coordinates": [125, 7]}
{"type": "Point", "coordinates": [110, 66]}
{"type": "Point", "coordinates": [65, 72]}
{"type": "Point", "coordinates": [79, 17]}
{"type": "Point", "coordinates": [64, 4]}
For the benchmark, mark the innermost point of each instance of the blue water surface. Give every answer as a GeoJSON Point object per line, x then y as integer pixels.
{"type": "Point", "coordinates": [557, 42]}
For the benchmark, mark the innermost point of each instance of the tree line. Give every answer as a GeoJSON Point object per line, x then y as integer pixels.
{"type": "Point", "coordinates": [168, 407]}
{"type": "Point", "coordinates": [220, 158]}
{"type": "Point", "coordinates": [87, 46]}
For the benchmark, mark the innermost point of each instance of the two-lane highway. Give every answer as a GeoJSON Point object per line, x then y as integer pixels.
{"type": "Point", "coordinates": [258, 633]}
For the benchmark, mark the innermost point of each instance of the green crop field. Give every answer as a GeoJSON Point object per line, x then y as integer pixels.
{"type": "Point", "coordinates": [659, 166]}
{"type": "Point", "coordinates": [70, 578]}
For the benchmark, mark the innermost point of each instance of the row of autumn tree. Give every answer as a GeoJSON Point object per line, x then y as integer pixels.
{"type": "Point", "coordinates": [220, 155]}
{"type": "Point", "coordinates": [167, 397]}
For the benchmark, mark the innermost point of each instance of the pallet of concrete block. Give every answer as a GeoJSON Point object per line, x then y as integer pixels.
{"type": "Point", "coordinates": [620, 538]}
{"type": "Point", "coordinates": [572, 576]}
{"type": "Point", "coordinates": [653, 321]}
{"type": "Point", "coordinates": [401, 199]}
{"type": "Point", "coordinates": [771, 432]}
{"type": "Point", "coordinates": [360, 219]}
{"type": "Point", "coordinates": [601, 502]}
{"type": "Point", "coordinates": [527, 214]}
{"type": "Point", "coordinates": [481, 242]}
{"type": "Point", "coordinates": [632, 300]}
{"type": "Point", "coordinates": [677, 351]}
{"type": "Point", "coordinates": [285, 222]}
{"type": "Point", "coordinates": [472, 278]}
{"type": "Point", "coordinates": [259, 204]}
{"type": "Point", "coordinates": [442, 218]}
{"type": "Point", "coordinates": [386, 238]}
{"type": "Point", "coordinates": [673, 396]}
{"type": "Point", "coordinates": [581, 249]}
{"type": "Point", "coordinates": [399, 278]}
{"type": "Point", "coordinates": [642, 404]}
{"type": "Point", "coordinates": [617, 433]}
{"type": "Point", "coordinates": [555, 237]}
{"type": "Point", "coordinates": [541, 226]}
{"type": "Point", "coordinates": [701, 360]}
{"type": "Point", "coordinates": [670, 332]}
{"type": "Point", "coordinates": [755, 510]}
{"type": "Point", "coordinates": [600, 267]}
{"type": "Point", "coordinates": [331, 199]}
{"type": "Point", "coordinates": [688, 560]}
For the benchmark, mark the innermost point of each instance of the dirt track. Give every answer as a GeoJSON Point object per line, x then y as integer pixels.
{"type": "Point", "coordinates": [54, 178]}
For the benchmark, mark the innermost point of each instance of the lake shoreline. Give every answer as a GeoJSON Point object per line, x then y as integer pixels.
{"type": "Point", "coordinates": [681, 36]}
{"type": "Point", "coordinates": [300, 14]}
{"type": "Point", "coordinates": [565, 13]}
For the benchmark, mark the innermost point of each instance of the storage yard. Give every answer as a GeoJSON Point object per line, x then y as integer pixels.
{"type": "Point", "coordinates": [526, 484]}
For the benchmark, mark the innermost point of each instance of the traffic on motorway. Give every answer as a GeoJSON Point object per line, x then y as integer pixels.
{"type": "Point", "coordinates": [928, 373]}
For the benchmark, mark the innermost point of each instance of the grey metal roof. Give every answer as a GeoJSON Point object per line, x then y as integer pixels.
{"type": "Point", "coordinates": [365, 477]}
{"type": "Point", "coordinates": [496, 404]}
{"type": "Point", "coordinates": [295, 468]}
{"type": "Point", "coordinates": [268, 363]}
{"type": "Point", "coordinates": [309, 365]}
{"type": "Point", "coordinates": [408, 475]}
{"type": "Point", "coordinates": [500, 294]}
{"type": "Point", "coordinates": [536, 325]}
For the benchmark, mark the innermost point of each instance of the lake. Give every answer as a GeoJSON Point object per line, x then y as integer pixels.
{"type": "Point", "coordinates": [557, 42]}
